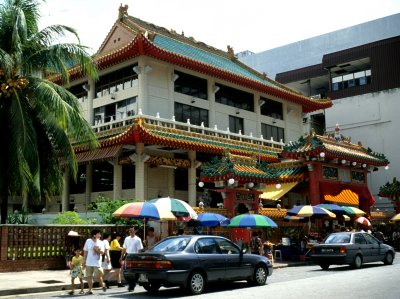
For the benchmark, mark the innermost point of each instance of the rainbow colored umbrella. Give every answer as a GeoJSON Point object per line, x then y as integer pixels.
{"type": "Point", "coordinates": [353, 211]}
{"type": "Point", "coordinates": [141, 210]}
{"type": "Point", "coordinates": [137, 210]}
{"type": "Point", "coordinates": [252, 220]}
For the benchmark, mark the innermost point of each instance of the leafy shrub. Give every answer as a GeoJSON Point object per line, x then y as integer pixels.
{"type": "Point", "coordinates": [70, 217]}
{"type": "Point", "coordinates": [18, 218]}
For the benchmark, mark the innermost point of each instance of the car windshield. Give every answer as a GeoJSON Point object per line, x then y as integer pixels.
{"type": "Point", "coordinates": [337, 238]}
{"type": "Point", "coordinates": [171, 245]}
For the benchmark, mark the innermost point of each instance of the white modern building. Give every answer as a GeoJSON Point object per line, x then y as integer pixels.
{"type": "Point", "coordinates": [358, 69]}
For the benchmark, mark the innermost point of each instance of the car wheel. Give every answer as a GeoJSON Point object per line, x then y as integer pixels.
{"type": "Point", "coordinates": [259, 276]}
{"type": "Point", "coordinates": [357, 263]}
{"type": "Point", "coordinates": [324, 266]}
{"type": "Point", "coordinates": [152, 287]}
{"type": "Point", "coordinates": [388, 258]}
{"type": "Point", "coordinates": [196, 283]}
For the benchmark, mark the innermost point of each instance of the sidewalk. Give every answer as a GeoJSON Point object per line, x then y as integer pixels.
{"type": "Point", "coordinates": [28, 282]}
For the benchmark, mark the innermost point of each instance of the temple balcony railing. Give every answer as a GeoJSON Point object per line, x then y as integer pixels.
{"type": "Point", "coordinates": [115, 126]}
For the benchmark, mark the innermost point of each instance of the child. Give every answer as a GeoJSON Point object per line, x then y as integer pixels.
{"type": "Point", "coordinates": [76, 270]}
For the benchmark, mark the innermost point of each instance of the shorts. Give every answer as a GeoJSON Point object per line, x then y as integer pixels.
{"type": "Point", "coordinates": [77, 272]}
{"type": "Point", "coordinates": [94, 271]}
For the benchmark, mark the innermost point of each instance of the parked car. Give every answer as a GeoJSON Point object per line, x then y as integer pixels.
{"type": "Point", "coordinates": [353, 248]}
{"type": "Point", "coordinates": [193, 261]}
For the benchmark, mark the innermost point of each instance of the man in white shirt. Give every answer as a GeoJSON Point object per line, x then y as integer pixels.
{"type": "Point", "coordinates": [132, 244]}
{"type": "Point", "coordinates": [92, 256]}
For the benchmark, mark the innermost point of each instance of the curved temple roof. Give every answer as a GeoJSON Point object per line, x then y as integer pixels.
{"type": "Point", "coordinates": [333, 146]}
{"type": "Point", "coordinates": [162, 44]}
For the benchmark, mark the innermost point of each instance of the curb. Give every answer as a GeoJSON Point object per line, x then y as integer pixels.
{"type": "Point", "coordinates": [67, 286]}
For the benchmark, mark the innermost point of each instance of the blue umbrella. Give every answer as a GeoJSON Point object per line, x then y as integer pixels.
{"type": "Point", "coordinates": [212, 219]}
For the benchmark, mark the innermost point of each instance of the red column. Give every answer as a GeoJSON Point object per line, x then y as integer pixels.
{"type": "Point", "coordinates": [229, 201]}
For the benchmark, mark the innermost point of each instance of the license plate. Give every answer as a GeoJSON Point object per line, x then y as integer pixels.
{"type": "Point", "coordinates": [327, 250]}
{"type": "Point", "coordinates": [143, 278]}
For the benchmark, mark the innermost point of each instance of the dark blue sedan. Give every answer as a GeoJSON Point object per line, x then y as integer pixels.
{"type": "Point", "coordinates": [191, 262]}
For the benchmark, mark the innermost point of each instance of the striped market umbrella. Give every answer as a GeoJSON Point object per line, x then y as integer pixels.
{"type": "Point", "coordinates": [395, 218]}
{"type": "Point", "coordinates": [363, 221]}
{"type": "Point", "coordinates": [252, 220]}
{"type": "Point", "coordinates": [137, 210]}
{"type": "Point", "coordinates": [177, 207]}
{"type": "Point", "coordinates": [310, 211]}
{"type": "Point", "coordinates": [337, 210]}
{"type": "Point", "coordinates": [353, 211]}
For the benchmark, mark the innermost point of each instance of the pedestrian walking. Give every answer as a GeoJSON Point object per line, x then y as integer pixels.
{"type": "Point", "coordinates": [132, 244]}
{"type": "Point", "coordinates": [115, 256]}
{"type": "Point", "coordinates": [76, 266]}
{"type": "Point", "coordinates": [106, 260]}
{"type": "Point", "coordinates": [93, 251]}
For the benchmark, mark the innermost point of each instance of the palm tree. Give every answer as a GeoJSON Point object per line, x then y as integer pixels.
{"type": "Point", "coordinates": [39, 119]}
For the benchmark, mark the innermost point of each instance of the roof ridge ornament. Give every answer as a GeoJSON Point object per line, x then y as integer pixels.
{"type": "Point", "coordinates": [122, 11]}
{"type": "Point", "coordinates": [231, 53]}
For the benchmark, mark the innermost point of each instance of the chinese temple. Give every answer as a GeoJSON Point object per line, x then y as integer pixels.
{"type": "Point", "coordinates": [176, 117]}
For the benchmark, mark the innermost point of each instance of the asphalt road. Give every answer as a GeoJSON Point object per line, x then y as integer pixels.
{"type": "Point", "coordinates": [371, 281]}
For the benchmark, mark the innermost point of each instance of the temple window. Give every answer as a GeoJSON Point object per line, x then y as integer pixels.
{"type": "Point", "coordinates": [190, 85]}
{"type": "Point", "coordinates": [234, 97]}
{"type": "Point", "coordinates": [196, 115]}
{"type": "Point", "coordinates": [118, 80]}
{"type": "Point", "coordinates": [115, 111]}
{"type": "Point", "coordinates": [79, 92]}
{"type": "Point", "coordinates": [358, 177]}
{"type": "Point", "coordinates": [103, 177]}
{"type": "Point", "coordinates": [128, 176]}
{"type": "Point", "coordinates": [276, 133]}
{"type": "Point", "coordinates": [236, 124]}
{"type": "Point", "coordinates": [272, 108]}
{"type": "Point", "coordinates": [330, 173]}
{"type": "Point", "coordinates": [181, 179]}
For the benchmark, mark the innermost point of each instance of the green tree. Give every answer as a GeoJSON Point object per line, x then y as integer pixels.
{"type": "Point", "coordinates": [39, 119]}
{"type": "Point", "coordinates": [106, 207]}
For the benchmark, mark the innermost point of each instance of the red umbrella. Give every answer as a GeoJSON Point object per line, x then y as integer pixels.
{"type": "Point", "coordinates": [363, 221]}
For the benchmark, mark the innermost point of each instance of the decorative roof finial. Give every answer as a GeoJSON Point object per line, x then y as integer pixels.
{"type": "Point", "coordinates": [123, 11]}
{"type": "Point", "coordinates": [231, 53]}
